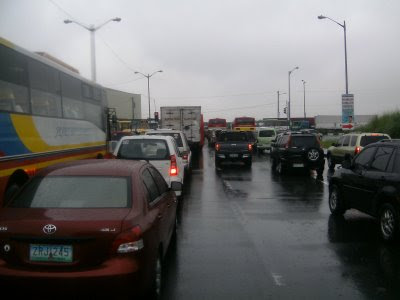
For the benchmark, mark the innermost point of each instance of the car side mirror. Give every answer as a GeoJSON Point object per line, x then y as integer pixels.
{"type": "Point", "coordinates": [176, 186]}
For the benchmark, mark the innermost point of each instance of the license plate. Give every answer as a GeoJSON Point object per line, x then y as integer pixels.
{"type": "Point", "coordinates": [50, 253]}
{"type": "Point", "coordinates": [298, 165]}
{"type": "Point", "coordinates": [234, 155]}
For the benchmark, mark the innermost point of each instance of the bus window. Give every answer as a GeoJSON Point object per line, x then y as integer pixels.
{"type": "Point", "coordinates": [87, 91]}
{"type": "Point", "coordinates": [45, 87]}
{"type": "Point", "coordinates": [72, 104]}
{"type": "Point", "coordinates": [93, 114]}
{"type": "Point", "coordinates": [13, 81]}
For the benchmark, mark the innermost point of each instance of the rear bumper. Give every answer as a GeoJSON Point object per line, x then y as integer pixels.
{"type": "Point", "coordinates": [263, 147]}
{"type": "Point", "coordinates": [233, 156]}
{"type": "Point", "coordinates": [120, 273]}
{"type": "Point", "coordinates": [296, 163]}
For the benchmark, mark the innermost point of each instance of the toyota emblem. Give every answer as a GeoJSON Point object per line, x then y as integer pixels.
{"type": "Point", "coordinates": [49, 228]}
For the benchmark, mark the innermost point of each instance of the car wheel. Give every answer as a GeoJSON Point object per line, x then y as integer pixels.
{"type": "Point", "coordinates": [331, 163]}
{"type": "Point", "coordinates": [336, 204]}
{"type": "Point", "coordinates": [389, 222]}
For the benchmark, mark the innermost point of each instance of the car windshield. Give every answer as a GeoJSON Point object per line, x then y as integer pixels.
{"type": "Point", "coordinates": [266, 133]}
{"type": "Point", "coordinates": [145, 149]}
{"type": "Point", "coordinates": [369, 139]}
{"type": "Point", "coordinates": [175, 135]}
{"type": "Point", "coordinates": [74, 192]}
{"type": "Point", "coordinates": [304, 141]}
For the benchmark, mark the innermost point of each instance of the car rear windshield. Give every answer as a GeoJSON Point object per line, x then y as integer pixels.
{"type": "Point", "coordinates": [232, 137]}
{"type": "Point", "coordinates": [175, 135]}
{"type": "Point", "coordinates": [266, 133]}
{"type": "Point", "coordinates": [369, 139]}
{"type": "Point", "coordinates": [74, 192]}
{"type": "Point", "coordinates": [219, 122]}
{"type": "Point", "coordinates": [144, 149]}
{"type": "Point", "coordinates": [304, 141]}
{"type": "Point", "coordinates": [244, 121]}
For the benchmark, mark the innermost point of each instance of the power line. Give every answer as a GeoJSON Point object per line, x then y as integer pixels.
{"type": "Point", "coordinates": [242, 107]}
{"type": "Point", "coordinates": [61, 9]}
{"type": "Point", "coordinates": [123, 62]}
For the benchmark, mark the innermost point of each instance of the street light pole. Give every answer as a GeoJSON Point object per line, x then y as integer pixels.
{"type": "Point", "coordinates": [304, 92]}
{"type": "Point", "coordinates": [148, 85]}
{"type": "Point", "coordinates": [289, 110]}
{"type": "Point", "coordinates": [345, 47]}
{"type": "Point", "coordinates": [92, 30]}
{"type": "Point", "coordinates": [278, 102]}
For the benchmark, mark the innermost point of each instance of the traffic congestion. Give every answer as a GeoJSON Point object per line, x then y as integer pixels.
{"type": "Point", "coordinates": [211, 184]}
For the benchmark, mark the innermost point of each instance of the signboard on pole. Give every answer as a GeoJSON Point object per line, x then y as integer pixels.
{"type": "Point", "coordinates": [347, 111]}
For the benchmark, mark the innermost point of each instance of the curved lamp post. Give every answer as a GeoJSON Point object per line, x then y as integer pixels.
{"type": "Point", "coordinates": [92, 30]}
{"type": "Point", "coordinates": [148, 84]}
{"type": "Point", "coordinates": [345, 47]}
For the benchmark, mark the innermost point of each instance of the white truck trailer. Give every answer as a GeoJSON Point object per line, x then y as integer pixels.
{"type": "Point", "coordinates": [187, 119]}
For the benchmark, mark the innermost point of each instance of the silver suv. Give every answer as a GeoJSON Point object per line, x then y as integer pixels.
{"type": "Point", "coordinates": [350, 145]}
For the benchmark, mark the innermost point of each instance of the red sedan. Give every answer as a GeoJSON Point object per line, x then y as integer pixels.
{"type": "Point", "coordinates": [94, 223]}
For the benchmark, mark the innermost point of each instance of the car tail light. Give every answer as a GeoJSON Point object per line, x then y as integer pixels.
{"type": "Point", "coordinates": [185, 155]}
{"type": "Point", "coordinates": [250, 147]}
{"type": "Point", "coordinates": [173, 170]}
{"type": "Point", "coordinates": [288, 142]}
{"type": "Point", "coordinates": [357, 150]}
{"type": "Point", "coordinates": [217, 147]}
{"type": "Point", "coordinates": [128, 241]}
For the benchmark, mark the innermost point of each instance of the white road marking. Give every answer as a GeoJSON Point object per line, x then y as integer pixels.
{"type": "Point", "coordinates": [278, 279]}
{"type": "Point", "coordinates": [327, 183]}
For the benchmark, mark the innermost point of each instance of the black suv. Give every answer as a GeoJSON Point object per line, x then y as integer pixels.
{"type": "Point", "coordinates": [295, 150]}
{"type": "Point", "coordinates": [233, 146]}
{"type": "Point", "coordinates": [370, 183]}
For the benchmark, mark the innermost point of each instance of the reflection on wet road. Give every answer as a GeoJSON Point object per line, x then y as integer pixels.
{"type": "Point", "coordinates": [252, 234]}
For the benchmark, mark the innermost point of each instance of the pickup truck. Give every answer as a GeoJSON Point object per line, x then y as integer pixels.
{"type": "Point", "coordinates": [233, 146]}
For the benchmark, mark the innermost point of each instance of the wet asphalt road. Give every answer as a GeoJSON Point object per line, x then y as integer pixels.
{"type": "Point", "coordinates": [252, 234]}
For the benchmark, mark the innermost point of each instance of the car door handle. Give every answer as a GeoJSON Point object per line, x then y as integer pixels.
{"type": "Point", "coordinates": [169, 205]}
{"type": "Point", "coordinates": [159, 216]}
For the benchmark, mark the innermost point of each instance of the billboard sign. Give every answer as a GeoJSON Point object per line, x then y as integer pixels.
{"type": "Point", "coordinates": [347, 110]}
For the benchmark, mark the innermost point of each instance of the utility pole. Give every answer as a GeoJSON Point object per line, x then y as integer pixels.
{"type": "Point", "coordinates": [304, 92]}
{"type": "Point", "coordinates": [278, 103]}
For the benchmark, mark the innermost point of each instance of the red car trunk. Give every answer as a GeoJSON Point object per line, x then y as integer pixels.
{"type": "Point", "coordinates": [84, 243]}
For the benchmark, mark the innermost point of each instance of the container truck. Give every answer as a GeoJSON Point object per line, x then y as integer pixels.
{"type": "Point", "coordinates": [187, 119]}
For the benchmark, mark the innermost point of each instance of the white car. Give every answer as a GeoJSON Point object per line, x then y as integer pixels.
{"type": "Point", "coordinates": [161, 151]}
{"type": "Point", "coordinates": [181, 141]}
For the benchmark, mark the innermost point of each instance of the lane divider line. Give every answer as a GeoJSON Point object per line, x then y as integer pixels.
{"type": "Point", "coordinates": [278, 279]}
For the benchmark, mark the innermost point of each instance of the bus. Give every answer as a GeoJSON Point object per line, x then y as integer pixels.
{"type": "Point", "coordinates": [217, 123]}
{"type": "Point", "coordinates": [244, 124]}
{"type": "Point", "coordinates": [48, 114]}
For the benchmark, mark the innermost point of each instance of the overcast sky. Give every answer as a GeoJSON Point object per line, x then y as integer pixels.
{"type": "Point", "coordinates": [228, 56]}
